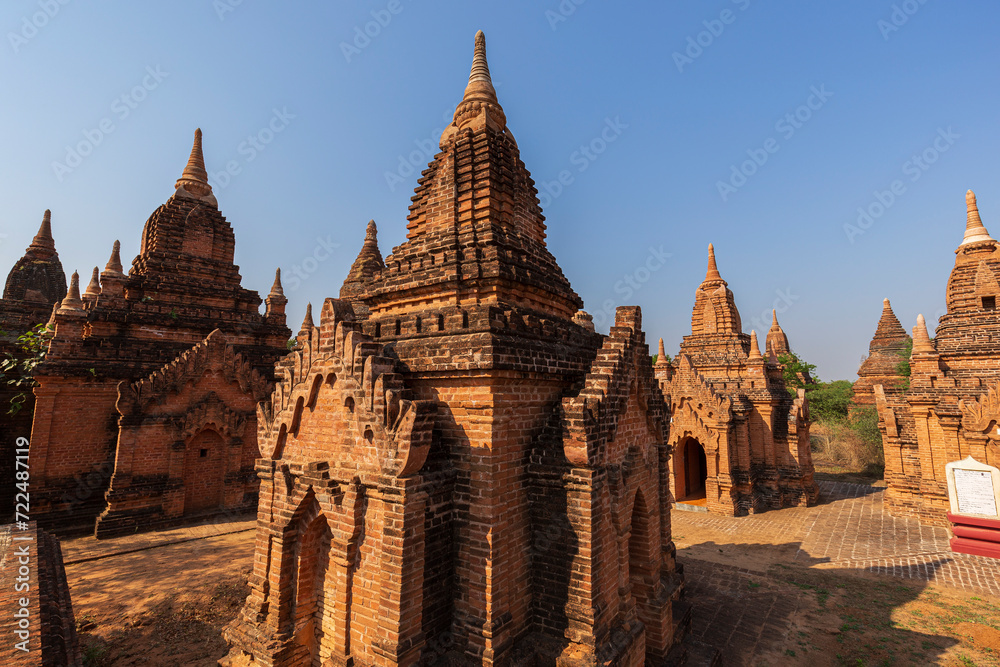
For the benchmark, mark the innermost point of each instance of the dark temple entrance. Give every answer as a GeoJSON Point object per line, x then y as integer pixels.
{"type": "Point", "coordinates": [695, 472]}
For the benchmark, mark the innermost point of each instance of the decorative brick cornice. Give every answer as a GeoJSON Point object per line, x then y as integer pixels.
{"type": "Point", "coordinates": [368, 392]}
{"type": "Point", "coordinates": [213, 353]}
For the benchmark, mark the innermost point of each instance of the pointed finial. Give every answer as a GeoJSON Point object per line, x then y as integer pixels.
{"type": "Point", "coordinates": [276, 289]}
{"type": "Point", "coordinates": [975, 231]}
{"type": "Point", "coordinates": [307, 322]}
{"type": "Point", "coordinates": [661, 353]}
{"type": "Point", "coordinates": [774, 318]}
{"type": "Point", "coordinates": [480, 84]}
{"type": "Point", "coordinates": [754, 347]}
{"type": "Point", "coordinates": [371, 233]}
{"type": "Point", "coordinates": [921, 341]}
{"type": "Point", "coordinates": [43, 241]}
{"type": "Point", "coordinates": [72, 302]}
{"type": "Point", "coordinates": [114, 264]}
{"type": "Point", "coordinates": [713, 270]}
{"type": "Point", "coordinates": [195, 177]}
{"type": "Point", "coordinates": [94, 288]}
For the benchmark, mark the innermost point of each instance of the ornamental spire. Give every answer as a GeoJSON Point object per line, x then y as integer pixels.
{"type": "Point", "coordinates": [975, 231]}
{"type": "Point", "coordinates": [307, 321]}
{"type": "Point", "coordinates": [921, 341]}
{"type": "Point", "coordinates": [713, 271]}
{"type": "Point", "coordinates": [276, 288]}
{"type": "Point", "coordinates": [755, 354]}
{"type": "Point", "coordinates": [43, 243]}
{"type": "Point", "coordinates": [195, 177]}
{"type": "Point", "coordinates": [480, 84]}
{"type": "Point", "coordinates": [94, 288]}
{"type": "Point", "coordinates": [72, 303]}
{"type": "Point", "coordinates": [115, 261]}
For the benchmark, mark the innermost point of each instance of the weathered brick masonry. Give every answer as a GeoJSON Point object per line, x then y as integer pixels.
{"type": "Point", "coordinates": [456, 466]}
{"type": "Point", "coordinates": [952, 407]}
{"type": "Point", "coordinates": [32, 572]}
{"type": "Point", "coordinates": [34, 285]}
{"type": "Point", "coordinates": [142, 416]}
{"type": "Point", "coordinates": [739, 439]}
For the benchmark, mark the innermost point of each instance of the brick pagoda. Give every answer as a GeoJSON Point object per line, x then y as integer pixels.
{"type": "Point", "coordinates": [952, 406]}
{"type": "Point", "coordinates": [740, 441]}
{"type": "Point", "coordinates": [152, 378]}
{"type": "Point", "coordinates": [34, 285]}
{"type": "Point", "coordinates": [885, 353]}
{"type": "Point", "coordinates": [456, 467]}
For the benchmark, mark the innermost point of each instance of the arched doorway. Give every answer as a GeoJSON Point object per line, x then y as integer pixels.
{"type": "Point", "coordinates": [694, 472]}
{"type": "Point", "coordinates": [204, 472]}
{"type": "Point", "coordinates": [315, 591]}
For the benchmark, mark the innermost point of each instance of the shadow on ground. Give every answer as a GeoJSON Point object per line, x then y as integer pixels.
{"type": "Point", "coordinates": [773, 613]}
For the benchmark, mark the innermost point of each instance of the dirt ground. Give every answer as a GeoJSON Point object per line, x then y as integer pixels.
{"type": "Point", "coordinates": [163, 606]}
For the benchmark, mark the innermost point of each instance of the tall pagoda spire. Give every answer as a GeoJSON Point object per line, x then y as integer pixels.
{"type": "Point", "coordinates": [480, 84]}
{"type": "Point", "coordinates": [712, 275]}
{"type": "Point", "coordinates": [975, 231]}
{"type": "Point", "coordinates": [43, 245]}
{"type": "Point", "coordinates": [194, 179]}
{"type": "Point", "coordinates": [479, 107]}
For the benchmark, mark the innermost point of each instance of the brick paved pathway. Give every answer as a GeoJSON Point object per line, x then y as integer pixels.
{"type": "Point", "coordinates": [849, 529]}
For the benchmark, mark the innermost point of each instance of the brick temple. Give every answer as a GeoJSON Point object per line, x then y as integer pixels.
{"type": "Point", "coordinates": [952, 406]}
{"type": "Point", "coordinates": [886, 352]}
{"type": "Point", "coordinates": [740, 441]}
{"type": "Point", "coordinates": [456, 468]}
{"type": "Point", "coordinates": [145, 411]}
{"type": "Point", "coordinates": [34, 285]}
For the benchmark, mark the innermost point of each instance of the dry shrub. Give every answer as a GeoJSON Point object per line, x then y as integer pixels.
{"type": "Point", "coordinates": [853, 441]}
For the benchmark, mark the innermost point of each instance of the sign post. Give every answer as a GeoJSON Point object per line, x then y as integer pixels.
{"type": "Point", "coordinates": [974, 492]}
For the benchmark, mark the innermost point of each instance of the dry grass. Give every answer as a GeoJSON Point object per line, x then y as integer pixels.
{"type": "Point", "coordinates": [840, 444]}
{"type": "Point", "coordinates": [880, 621]}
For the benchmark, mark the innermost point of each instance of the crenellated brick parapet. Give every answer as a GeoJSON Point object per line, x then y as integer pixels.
{"type": "Point", "coordinates": [342, 509]}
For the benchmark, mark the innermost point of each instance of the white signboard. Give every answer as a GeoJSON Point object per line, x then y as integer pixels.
{"type": "Point", "coordinates": [973, 487]}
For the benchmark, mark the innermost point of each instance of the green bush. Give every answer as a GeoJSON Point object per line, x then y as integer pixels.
{"type": "Point", "coordinates": [829, 401]}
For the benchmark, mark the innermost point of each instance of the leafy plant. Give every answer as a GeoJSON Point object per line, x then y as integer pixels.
{"type": "Point", "coordinates": [19, 372]}
{"type": "Point", "coordinates": [795, 371]}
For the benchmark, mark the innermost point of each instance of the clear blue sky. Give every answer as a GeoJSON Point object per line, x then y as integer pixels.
{"type": "Point", "coordinates": [565, 79]}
